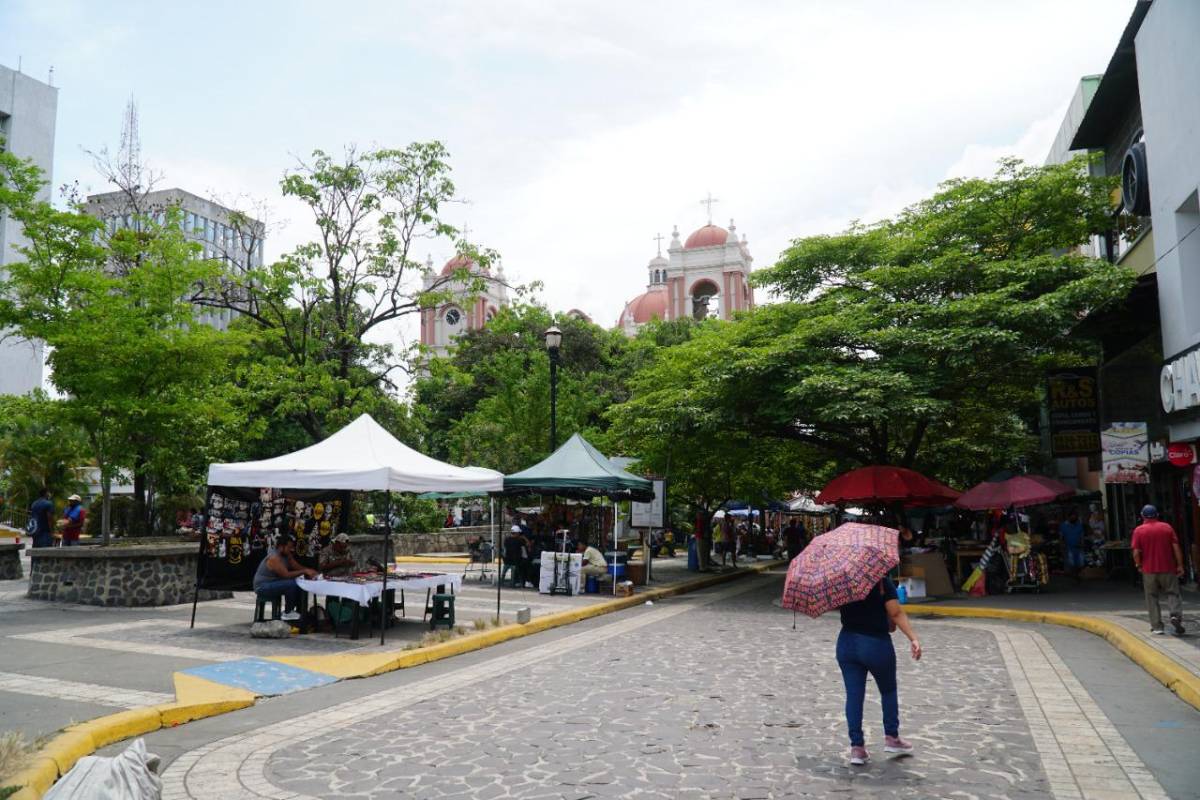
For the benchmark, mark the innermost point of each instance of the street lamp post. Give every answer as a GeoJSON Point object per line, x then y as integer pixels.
{"type": "Point", "coordinates": [553, 343]}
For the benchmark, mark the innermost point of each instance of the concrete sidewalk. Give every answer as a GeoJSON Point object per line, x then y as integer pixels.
{"type": "Point", "coordinates": [1116, 611]}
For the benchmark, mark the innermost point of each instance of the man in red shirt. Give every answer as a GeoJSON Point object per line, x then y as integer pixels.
{"type": "Point", "coordinates": [1157, 554]}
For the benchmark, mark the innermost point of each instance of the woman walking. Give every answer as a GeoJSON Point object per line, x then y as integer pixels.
{"type": "Point", "coordinates": [865, 646]}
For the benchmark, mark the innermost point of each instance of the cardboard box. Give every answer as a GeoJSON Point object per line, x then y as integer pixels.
{"type": "Point", "coordinates": [911, 571]}
{"type": "Point", "coordinates": [914, 586]}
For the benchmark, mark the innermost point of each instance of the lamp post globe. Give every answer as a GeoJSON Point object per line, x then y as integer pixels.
{"type": "Point", "coordinates": [553, 343]}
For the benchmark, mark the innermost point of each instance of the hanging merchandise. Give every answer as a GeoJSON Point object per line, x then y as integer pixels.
{"type": "Point", "coordinates": [242, 525]}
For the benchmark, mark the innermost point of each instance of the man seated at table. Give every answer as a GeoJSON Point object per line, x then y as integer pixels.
{"type": "Point", "coordinates": [277, 573]}
{"type": "Point", "coordinates": [593, 562]}
{"type": "Point", "coordinates": [337, 560]}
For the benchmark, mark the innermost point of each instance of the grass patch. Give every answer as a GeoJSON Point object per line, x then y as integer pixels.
{"type": "Point", "coordinates": [14, 750]}
{"type": "Point", "coordinates": [480, 624]}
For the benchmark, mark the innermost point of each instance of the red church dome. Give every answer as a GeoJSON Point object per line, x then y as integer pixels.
{"type": "Point", "coordinates": [708, 236]}
{"type": "Point", "coordinates": [458, 262]}
{"type": "Point", "coordinates": [645, 307]}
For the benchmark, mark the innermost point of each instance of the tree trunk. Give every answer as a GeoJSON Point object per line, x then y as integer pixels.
{"type": "Point", "coordinates": [105, 506]}
{"type": "Point", "coordinates": [139, 497]}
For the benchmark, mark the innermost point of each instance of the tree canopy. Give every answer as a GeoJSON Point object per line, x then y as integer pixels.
{"type": "Point", "coordinates": [488, 403]}
{"type": "Point", "coordinates": [915, 341]}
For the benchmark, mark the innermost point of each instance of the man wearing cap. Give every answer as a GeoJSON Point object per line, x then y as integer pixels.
{"type": "Point", "coordinates": [514, 556]}
{"type": "Point", "coordinates": [1156, 553]}
{"type": "Point", "coordinates": [337, 559]}
{"type": "Point", "coordinates": [73, 519]}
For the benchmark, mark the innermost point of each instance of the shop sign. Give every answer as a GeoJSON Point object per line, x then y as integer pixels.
{"type": "Point", "coordinates": [1181, 454]}
{"type": "Point", "coordinates": [1126, 453]}
{"type": "Point", "coordinates": [1158, 451]}
{"type": "Point", "coordinates": [652, 514]}
{"type": "Point", "coordinates": [1074, 406]}
{"type": "Point", "coordinates": [1179, 382]}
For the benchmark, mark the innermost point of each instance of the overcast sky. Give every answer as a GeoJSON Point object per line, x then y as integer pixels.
{"type": "Point", "coordinates": [578, 130]}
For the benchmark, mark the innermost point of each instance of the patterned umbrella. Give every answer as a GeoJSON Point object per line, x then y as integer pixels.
{"type": "Point", "coordinates": [839, 567]}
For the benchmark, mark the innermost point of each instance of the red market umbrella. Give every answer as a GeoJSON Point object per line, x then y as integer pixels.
{"type": "Point", "coordinates": [886, 484]}
{"type": "Point", "coordinates": [1017, 492]}
{"type": "Point", "coordinates": [839, 567]}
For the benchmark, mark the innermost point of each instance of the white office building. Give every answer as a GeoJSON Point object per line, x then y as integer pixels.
{"type": "Point", "coordinates": [28, 109]}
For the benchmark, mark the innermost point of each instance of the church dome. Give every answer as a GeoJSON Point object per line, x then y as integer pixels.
{"type": "Point", "coordinates": [708, 236]}
{"type": "Point", "coordinates": [458, 262]}
{"type": "Point", "coordinates": [645, 307]}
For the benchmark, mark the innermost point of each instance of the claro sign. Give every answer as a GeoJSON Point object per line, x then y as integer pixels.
{"type": "Point", "coordinates": [1179, 382]}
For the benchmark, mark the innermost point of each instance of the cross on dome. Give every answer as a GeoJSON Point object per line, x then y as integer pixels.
{"type": "Point", "coordinates": [709, 201]}
{"type": "Point", "coordinates": [658, 237]}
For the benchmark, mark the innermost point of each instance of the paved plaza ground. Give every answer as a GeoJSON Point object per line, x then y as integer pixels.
{"type": "Point", "coordinates": [62, 663]}
{"type": "Point", "coordinates": [706, 695]}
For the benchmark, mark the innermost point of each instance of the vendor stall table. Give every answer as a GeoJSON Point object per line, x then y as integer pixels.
{"type": "Point", "coordinates": [361, 594]}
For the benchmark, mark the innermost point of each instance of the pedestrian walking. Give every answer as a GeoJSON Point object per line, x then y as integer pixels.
{"type": "Point", "coordinates": [1071, 532]}
{"type": "Point", "coordinates": [865, 646]}
{"type": "Point", "coordinates": [1157, 554]}
{"type": "Point", "coordinates": [793, 537]}
{"type": "Point", "coordinates": [41, 516]}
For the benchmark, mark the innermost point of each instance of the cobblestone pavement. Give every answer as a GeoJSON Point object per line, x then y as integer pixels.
{"type": "Point", "coordinates": [711, 696]}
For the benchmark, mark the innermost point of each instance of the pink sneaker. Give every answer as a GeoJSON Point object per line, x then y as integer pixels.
{"type": "Point", "coordinates": [859, 756]}
{"type": "Point", "coordinates": [894, 744]}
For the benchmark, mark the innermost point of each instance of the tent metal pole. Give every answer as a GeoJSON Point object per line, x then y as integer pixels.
{"type": "Point", "coordinates": [614, 575]}
{"type": "Point", "coordinates": [499, 568]}
{"type": "Point", "coordinates": [387, 549]}
{"type": "Point", "coordinates": [492, 525]}
{"type": "Point", "coordinates": [200, 564]}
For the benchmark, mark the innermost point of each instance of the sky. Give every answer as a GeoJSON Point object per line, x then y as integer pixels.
{"type": "Point", "coordinates": [578, 130]}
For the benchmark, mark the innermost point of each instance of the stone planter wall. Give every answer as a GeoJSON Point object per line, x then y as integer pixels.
{"type": "Point", "coordinates": [446, 540]}
{"type": "Point", "coordinates": [10, 562]}
{"type": "Point", "coordinates": [147, 575]}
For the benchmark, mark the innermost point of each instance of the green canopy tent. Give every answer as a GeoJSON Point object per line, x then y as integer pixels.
{"type": "Point", "coordinates": [579, 471]}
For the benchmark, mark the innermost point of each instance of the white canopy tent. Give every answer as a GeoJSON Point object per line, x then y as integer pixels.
{"type": "Point", "coordinates": [361, 457]}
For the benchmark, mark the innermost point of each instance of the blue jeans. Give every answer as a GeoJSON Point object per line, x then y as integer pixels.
{"type": "Point", "coordinates": [281, 586]}
{"type": "Point", "coordinates": [858, 654]}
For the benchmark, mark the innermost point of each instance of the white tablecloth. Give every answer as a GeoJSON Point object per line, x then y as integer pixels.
{"type": "Point", "coordinates": [364, 593]}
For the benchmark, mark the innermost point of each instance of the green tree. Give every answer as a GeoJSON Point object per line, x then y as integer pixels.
{"type": "Point", "coordinates": [142, 379]}
{"type": "Point", "coordinates": [488, 404]}
{"type": "Point", "coordinates": [706, 463]}
{"type": "Point", "coordinates": [918, 341]}
{"type": "Point", "coordinates": [39, 449]}
{"type": "Point", "coordinates": [326, 311]}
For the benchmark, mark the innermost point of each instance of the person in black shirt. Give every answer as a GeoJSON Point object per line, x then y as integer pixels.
{"type": "Point", "coordinates": [793, 538]}
{"type": "Point", "coordinates": [865, 646]}
{"type": "Point", "coordinates": [514, 556]}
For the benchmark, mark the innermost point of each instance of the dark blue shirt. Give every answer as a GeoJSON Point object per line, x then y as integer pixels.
{"type": "Point", "coordinates": [1072, 534]}
{"type": "Point", "coordinates": [42, 509]}
{"type": "Point", "coordinates": [869, 616]}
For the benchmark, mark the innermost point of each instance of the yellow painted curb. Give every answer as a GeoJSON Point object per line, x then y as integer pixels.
{"type": "Point", "coordinates": [432, 560]}
{"type": "Point", "coordinates": [37, 778]}
{"type": "Point", "coordinates": [115, 727]}
{"type": "Point", "coordinates": [1160, 666]}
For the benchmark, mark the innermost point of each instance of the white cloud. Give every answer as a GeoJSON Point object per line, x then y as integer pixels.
{"type": "Point", "coordinates": [579, 130]}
